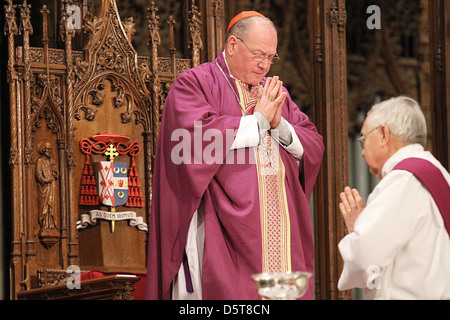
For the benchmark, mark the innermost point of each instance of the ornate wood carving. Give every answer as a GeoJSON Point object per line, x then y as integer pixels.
{"type": "Point", "coordinates": [47, 175]}
{"type": "Point", "coordinates": [439, 13]}
{"type": "Point", "coordinates": [60, 96]}
{"type": "Point", "coordinates": [195, 25]}
{"type": "Point", "coordinates": [213, 17]}
{"type": "Point", "coordinates": [327, 37]}
{"type": "Point", "coordinates": [387, 62]}
{"type": "Point", "coordinates": [116, 287]}
{"type": "Point", "coordinates": [48, 99]}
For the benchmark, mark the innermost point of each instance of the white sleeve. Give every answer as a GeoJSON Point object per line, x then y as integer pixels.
{"type": "Point", "coordinates": [194, 253]}
{"type": "Point", "coordinates": [248, 133]}
{"type": "Point", "coordinates": [382, 229]}
{"type": "Point", "coordinates": [295, 147]}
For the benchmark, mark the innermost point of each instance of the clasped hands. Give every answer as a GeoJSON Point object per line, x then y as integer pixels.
{"type": "Point", "coordinates": [270, 104]}
{"type": "Point", "coordinates": [271, 101]}
{"type": "Point", "coordinates": [351, 206]}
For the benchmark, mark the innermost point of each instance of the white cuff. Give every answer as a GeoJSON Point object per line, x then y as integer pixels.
{"type": "Point", "coordinates": [295, 148]}
{"type": "Point", "coordinates": [248, 133]}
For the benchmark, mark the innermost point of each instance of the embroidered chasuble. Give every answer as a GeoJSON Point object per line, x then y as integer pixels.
{"type": "Point", "coordinates": [274, 215]}
{"type": "Point", "coordinates": [255, 213]}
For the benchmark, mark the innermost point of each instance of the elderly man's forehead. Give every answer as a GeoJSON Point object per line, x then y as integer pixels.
{"type": "Point", "coordinates": [257, 24]}
{"type": "Point", "coordinates": [261, 32]}
{"type": "Point", "coordinates": [364, 128]}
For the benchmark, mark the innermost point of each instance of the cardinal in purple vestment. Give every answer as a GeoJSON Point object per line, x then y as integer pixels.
{"type": "Point", "coordinates": [235, 166]}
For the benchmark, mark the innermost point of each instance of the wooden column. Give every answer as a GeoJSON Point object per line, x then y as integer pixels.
{"type": "Point", "coordinates": [439, 11]}
{"type": "Point", "coordinates": [213, 20]}
{"type": "Point", "coordinates": [327, 20]}
{"type": "Point", "coordinates": [15, 156]}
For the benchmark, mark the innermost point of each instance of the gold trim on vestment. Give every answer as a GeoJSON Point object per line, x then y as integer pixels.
{"type": "Point", "coordinates": [274, 212]}
{"type": "Point", "coordinates": [247, 98]}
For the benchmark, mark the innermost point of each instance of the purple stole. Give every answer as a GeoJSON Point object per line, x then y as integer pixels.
{"type": "Point", "coordinates": [433, 180]}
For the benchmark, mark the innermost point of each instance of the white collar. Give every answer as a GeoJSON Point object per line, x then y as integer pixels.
{"type": "Point", "coordinates": [401, 154]}
{"type": "Point", "coordinates": [228, 68]}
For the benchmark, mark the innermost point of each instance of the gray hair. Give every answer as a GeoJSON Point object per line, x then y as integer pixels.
{"type": "Point", "coordinates": [242, 27]}
{"type": "Point", "coordinates": [404, 118]}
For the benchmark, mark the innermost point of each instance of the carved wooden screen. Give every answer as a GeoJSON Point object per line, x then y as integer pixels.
{"type": "Point", "coordinates": [81, 120]}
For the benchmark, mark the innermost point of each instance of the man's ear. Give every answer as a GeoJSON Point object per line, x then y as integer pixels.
{"type": "Point", "coordinates": [231, 46]}
{"type": "Point", "coordinates": [385, 134]}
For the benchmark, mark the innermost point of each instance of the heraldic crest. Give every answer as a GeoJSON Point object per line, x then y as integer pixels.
{"type": "Point", "coordinates": [110, 183]}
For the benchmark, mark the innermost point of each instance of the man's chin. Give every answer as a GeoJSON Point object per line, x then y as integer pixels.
{"type": "Point", "coordinates": [255, 81]}
{"type": "Point", "coordinates": [375, 172]}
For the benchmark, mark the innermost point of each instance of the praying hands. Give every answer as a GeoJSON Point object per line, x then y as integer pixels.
{"type": "Point", "coordinates": [271, 101]}
{"type": "Point", "coordinates": [351, 206]}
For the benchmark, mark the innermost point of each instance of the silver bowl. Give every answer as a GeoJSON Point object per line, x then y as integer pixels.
{"type": "Point", "coordinates": [282, 285]}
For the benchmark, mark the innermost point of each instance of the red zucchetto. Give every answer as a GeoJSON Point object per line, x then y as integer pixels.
{"type": "Point", "coordinates": [242, 15]}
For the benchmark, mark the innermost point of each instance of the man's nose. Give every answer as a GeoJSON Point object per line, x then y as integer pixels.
{"type": "Point", "coordinates": [265, 64]}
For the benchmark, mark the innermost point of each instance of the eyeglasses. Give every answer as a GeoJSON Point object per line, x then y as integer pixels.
{"type": "Point", "coordinates": [260, 57]}
{"type": "Point", "coordinates": [362, 139]}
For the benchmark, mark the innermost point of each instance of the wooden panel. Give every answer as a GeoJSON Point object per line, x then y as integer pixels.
{"type": "Point", "coordinates": [328, 58]}
{"type": "Point", "coordinates": [439, 11]}
{"type": "Point", "coordinates": [116, 287]}
{"type": "Point", "coordinates": [60, 98]}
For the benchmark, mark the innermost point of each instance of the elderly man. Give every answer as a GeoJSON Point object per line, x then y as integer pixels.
{"type": "Point", "coordinates": [398, 246]}
{"type": "Point", "coordinates": [235, 165]}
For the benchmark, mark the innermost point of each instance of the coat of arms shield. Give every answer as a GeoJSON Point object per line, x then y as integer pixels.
{"type": "Point", "coordinates": [112, 183]}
